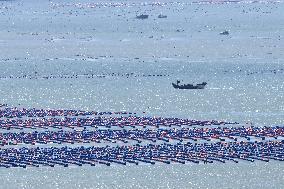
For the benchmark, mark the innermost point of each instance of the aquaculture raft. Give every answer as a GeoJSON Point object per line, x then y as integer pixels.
{"type": "Point", "coordinates": [165, 153]}
{"type": "Point", "coordinates": [37, 137]}
{"type": "Point", "coordinates": [139, 135]}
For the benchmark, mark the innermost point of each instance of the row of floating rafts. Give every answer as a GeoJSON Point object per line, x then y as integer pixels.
{"type": "Point", "coordinates": [22, 112]}
{"type": "Point", "coordinates": [85, 76]}
{"type": "Point", "coordinates": [138, 135]}
{"type": "Point", "coordinates": [128, 121]}
{"type": "Point", "coordinates": [150, 154]}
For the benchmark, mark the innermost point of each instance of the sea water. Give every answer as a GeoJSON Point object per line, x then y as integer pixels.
{"type": "Point", "coordinates": [45, 45]}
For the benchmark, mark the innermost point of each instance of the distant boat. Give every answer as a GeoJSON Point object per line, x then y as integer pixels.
{"type": "Point", "coordinates": [142, 16]}
{"type": "Point", "coordinates": [189, 86]}
{"type": "Point", "coordinates": [224, 32]}
{"type": "Point", "coordinates": [162, 16]}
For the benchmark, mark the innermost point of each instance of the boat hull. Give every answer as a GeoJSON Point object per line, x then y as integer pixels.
{"type": "Point", "coordinates": [189, 86]}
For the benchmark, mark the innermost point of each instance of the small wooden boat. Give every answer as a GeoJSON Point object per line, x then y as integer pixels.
{"type": "Point", "coordinates": [162, 16]}
{"type": "Point", "coordinates": [226, 32]}
{"type": "Point", "coordinates": [189, 86]}
{"type": "Point", "coordinates": [142, 16]}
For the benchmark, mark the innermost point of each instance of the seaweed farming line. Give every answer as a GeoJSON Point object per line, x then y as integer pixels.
{"type": "Point", "coordinates": [138, 135]}
{"type": "Point", "coordinates": [148, 154]}
{"type": "Point", "coordinates": [236, 2]}
{"type": "Point", "coordinates": [247, 72]}
{"type": "Point", "coordinates": [152, 4]}
{"type": "Point", "coordinates": [114, 4]}
{"type": "Point", "coordinates": [22, 112]}
{"type": "Point", "coordinates": [82, 76]}
{"type": "Point", "coordinates": [108, 122]}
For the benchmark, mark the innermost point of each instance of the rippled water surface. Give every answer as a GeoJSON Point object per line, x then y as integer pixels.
{"type": "Point", "coordinates": [217, 175]}
{"type": "Point", "coordinates": [95, 55]}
